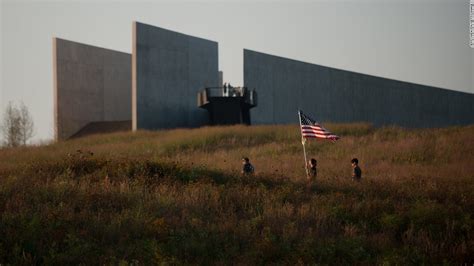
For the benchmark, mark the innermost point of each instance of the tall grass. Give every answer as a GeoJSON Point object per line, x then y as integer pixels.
{"type": "Point", "coordinates": [177, 197]}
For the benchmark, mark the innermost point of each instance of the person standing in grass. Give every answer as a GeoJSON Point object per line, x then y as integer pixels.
{"type": "Point", "coordinates": [356, 172]}
{"type": "Point", "coordinates": [247, 167]}
{"type": "Point", "coordinates": [313, 170]}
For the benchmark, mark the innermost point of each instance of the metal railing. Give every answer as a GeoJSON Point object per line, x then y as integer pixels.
{"type": "Point", "coordinates": [250, 96]}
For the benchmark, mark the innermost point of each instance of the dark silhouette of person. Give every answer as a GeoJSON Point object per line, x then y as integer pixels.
{"type": "Point", "coordinates": [356, 172]}
{"type": "Point", "coordinates": [224, 89]}
{"type": "Point", "coordinates": [247, 167]}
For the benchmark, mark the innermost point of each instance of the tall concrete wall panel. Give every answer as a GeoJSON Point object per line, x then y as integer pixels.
{"type": "Point", "coordinates": [169, 69]}
{"type": "Point", "coordinates": [91, 84]}
{"type": "Point", "coordinates": [329, 94]}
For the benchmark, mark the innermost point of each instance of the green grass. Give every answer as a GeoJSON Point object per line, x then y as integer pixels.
{"type": "Point", "coordinates": [177, 197]}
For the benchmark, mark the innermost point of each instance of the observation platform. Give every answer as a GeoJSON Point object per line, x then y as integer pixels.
{"type": "Point", "coordinates": [227, 105]}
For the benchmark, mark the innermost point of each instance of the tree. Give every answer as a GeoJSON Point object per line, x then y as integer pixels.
{"type": "Point", "coordinates": [26, 124]}
{"type": "Point", "coordinates": [18, 126]}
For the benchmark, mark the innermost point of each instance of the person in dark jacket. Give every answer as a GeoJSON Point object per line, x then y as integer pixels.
{"type": "Point", "coordinates": [356, 172]}
{"type": "Point", "coordinates": [313, 170]}
{"type": "Point", "coordinates": [247, 167]}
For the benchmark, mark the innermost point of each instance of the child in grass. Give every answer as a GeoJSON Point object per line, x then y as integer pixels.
{"type": "Point", "coordinates": [356, 172]}
{"type": "Point", "coordinates": [247, 167]}
{"type": "Point", "coordinates": [313, 171]}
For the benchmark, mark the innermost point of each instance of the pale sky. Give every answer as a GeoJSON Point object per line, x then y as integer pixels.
{"type": "Point", "coordinates": [419, 41]}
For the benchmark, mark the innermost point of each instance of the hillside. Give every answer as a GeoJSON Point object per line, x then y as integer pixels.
{"type": "Point", "coordinates": [177, 197]}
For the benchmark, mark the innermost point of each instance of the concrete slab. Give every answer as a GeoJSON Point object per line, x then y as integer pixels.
{"type": "Point", "coordinates": [91, 84]}
{"type": "Point", "coordinates": [168, 70]}
{"type": "Point", "coordinates": [286, 85]}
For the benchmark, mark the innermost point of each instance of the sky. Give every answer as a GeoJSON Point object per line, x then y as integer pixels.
{"type": "Point", "coordinates": [419, 41]}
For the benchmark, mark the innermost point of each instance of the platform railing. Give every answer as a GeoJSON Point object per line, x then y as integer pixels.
{"type": "Point", "coordinates": [250, 96]}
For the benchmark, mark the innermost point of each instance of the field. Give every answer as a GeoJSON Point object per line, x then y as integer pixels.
{"type": "Point", "coordinates": [177, 197]}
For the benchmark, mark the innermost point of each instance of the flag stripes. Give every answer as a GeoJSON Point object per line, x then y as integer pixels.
{"type": "Point", "coordinates": [312, 129]}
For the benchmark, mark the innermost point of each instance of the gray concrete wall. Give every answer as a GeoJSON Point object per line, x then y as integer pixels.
{"type": "Point", "coordinates": [91, 84]}
{"type": "Point", "coordinates": [169, 68]}
{"type": "Point", "coordinates": [328, 94]}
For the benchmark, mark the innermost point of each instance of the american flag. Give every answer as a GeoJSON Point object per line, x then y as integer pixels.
{"type": "Point", "coordinates": [311, 129]}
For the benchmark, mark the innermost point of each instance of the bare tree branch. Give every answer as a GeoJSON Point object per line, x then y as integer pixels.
{"type": "Point", "coordinates": [17, 126]}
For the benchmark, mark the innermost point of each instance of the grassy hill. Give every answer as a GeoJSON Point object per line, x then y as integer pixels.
{"type": "Point", "coordinates": [177, 197]}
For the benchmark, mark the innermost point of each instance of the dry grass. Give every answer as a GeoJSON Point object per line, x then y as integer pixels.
{"type": "Point", "coordinates": [177, 197]}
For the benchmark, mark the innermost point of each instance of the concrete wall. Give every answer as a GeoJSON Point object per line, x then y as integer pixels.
{"type": "Point", "coordinates": [91, 84]}
{"type": "Point", "coordinates": [169, 69]}
{"type": "Point", "coordinates": [329, 94]}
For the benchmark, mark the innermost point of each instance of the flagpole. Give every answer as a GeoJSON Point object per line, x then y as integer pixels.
{"type": "Point", "coordinates": [303, 141]}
